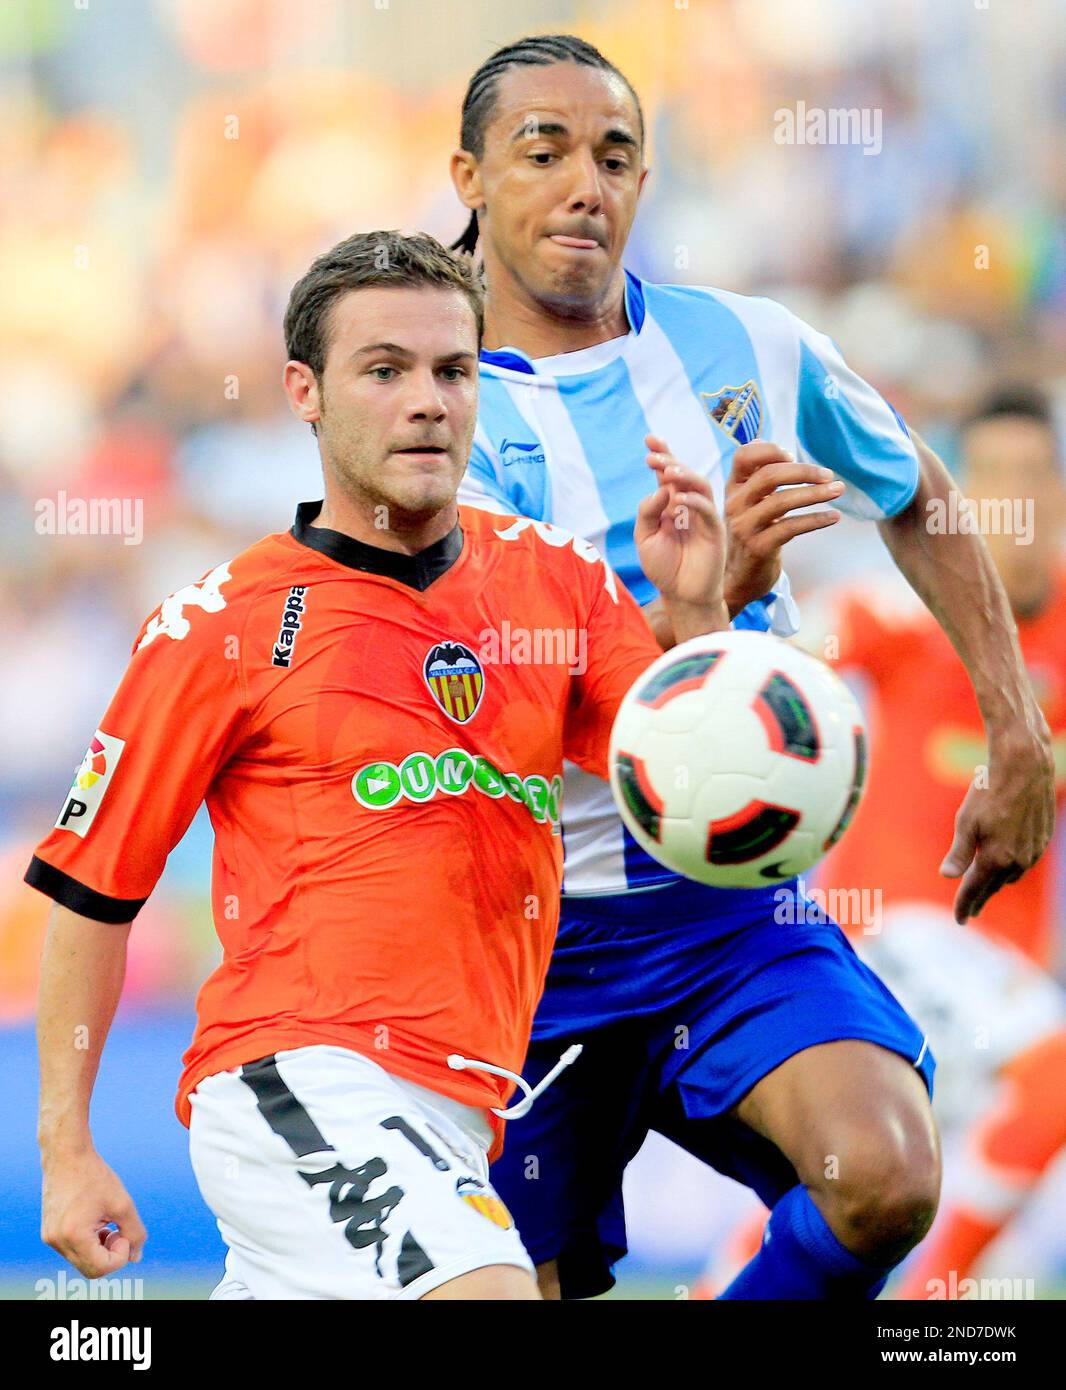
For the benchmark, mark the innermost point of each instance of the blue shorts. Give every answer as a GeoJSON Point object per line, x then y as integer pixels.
{"type": "Point", "coordinates": [683, 999]}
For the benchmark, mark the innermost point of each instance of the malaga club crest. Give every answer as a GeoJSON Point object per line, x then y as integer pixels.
{"type": "Point", "coordinates": [455, 679]}
{"type": "Point", "coordinates": [737, 409]}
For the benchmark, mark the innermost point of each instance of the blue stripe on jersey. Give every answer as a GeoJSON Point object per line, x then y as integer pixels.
{"type": "Point", "coordinates": [611, 425]}
{"type": "Point", "coordinates": [838, 438]}
{"type": "Point", "coordinates": [525, 477]}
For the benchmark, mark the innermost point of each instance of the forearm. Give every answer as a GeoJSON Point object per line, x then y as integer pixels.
{"type": "Point", "coordinates": [686, 620]}
{"type": "Point", "coordinates": [658, 620]}
{"type": "Point", "coordinates": [82, 970]}
{"type": "Point", "coordinates": [954, 576]}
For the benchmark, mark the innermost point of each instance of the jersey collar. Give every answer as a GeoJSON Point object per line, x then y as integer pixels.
{"type": "Point", "coordinates": [417, 571]}
{"type": "Point", "coordinates": [512, 359]}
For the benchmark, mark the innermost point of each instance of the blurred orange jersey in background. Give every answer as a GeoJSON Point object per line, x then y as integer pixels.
{"type": "Point", "coordinates": [379, 739]}
{"type": "Point", "coordinates": [926, 743]}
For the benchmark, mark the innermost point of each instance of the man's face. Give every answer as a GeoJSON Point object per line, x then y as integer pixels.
{"type": "Point", "coordinates": [560, 177]}
{"type": "Point", "coordinates": [398, 396]}
{"type": "Point", "coordinates": [1013, 458]}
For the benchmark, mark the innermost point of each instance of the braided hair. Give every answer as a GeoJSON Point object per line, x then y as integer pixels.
{"type": "Point", "coordinates": [480, 99]}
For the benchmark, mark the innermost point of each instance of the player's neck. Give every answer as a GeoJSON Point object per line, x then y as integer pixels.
{"type": "Point", "coordinates": [406, 534]}
{"type": "Point", "coordinates": [514, 319]}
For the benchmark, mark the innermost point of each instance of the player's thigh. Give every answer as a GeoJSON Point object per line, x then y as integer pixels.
{"type": "Point", "coordinates": [497, 1282]}
{"type": "Point", "coordinates": [849, 1100]}
{"type": "Point", "coordinates": [801, 1041]}
{"type": "Point", "coordinates": [329, 1181]}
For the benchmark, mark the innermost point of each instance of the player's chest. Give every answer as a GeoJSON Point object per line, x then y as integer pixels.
{"type": "Point", "coordinates": [386, 674]}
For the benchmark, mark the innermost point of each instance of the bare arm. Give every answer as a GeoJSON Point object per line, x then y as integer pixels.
{"type": "Point", "coordinates": [82, 970]}
{"type": "Point", "coordinates": [1002, 828]}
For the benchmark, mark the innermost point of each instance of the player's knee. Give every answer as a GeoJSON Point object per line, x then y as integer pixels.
{"type": "Point", "coordinates": [885, 1197]}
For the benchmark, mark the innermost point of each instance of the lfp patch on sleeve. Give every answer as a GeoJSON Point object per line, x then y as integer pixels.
{"type": "Point", "coordinates": [90, 783]}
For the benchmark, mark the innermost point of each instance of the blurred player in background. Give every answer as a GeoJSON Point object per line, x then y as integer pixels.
{"type": "Point", "coordinates": [323, 691]}
{"type": "Point", "coordinates": [758, 1048]}
{"type": "Point", "coordinates": [1003, 1018]}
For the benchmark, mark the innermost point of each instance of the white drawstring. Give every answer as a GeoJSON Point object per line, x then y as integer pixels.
{"type": "Point", "coordinates": [515, 1112]}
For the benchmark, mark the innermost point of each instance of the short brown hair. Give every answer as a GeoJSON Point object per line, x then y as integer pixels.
{"type": "Point", "coordinates": [362, 261]}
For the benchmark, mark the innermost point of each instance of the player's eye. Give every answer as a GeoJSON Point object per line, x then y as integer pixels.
{"type": "Point", "coordinates": [382, 373]}
{"type": "Point", "coordinates": [453, 373]}
{"type": "Point", "coordinates": [543, 157]}
{"type": "Point", "coordinates": [615, 163]}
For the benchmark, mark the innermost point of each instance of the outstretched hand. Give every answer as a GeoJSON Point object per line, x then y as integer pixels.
{"type": "Point", "coordinates": [681, 539]}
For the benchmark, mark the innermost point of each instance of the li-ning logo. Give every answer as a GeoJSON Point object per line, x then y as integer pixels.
{"type": "Point", "coordinates": [290, 625]}
{"type": "Point", "coordinates": [524, 448]}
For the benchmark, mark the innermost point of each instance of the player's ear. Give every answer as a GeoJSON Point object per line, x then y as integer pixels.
{"type": "Point", "coordinates": [645, 171]}
{"type": "Point", "coordinates": [466, 176]}
{"type": "Point", "coordinates": [301, 387]}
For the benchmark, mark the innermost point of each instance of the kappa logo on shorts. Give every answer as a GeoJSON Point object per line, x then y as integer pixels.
{"type": "Point", "coordinates": [91, 780]}
{"type": "Point", "coordinates": [481, 1197]}
{"type": "Point", "coordinates": [295, 606]}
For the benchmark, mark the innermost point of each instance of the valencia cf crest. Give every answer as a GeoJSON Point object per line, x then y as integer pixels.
{"type": "Point", "coordinates": [455, 679]}
{"type": "Point", "coordinates": [481, 1197]}
{"type": "Point", "coordinates": [737, 409]}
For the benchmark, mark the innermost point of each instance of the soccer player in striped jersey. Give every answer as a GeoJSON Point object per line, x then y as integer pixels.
{"type": "Point", "coordinates": [385, 798]}
{"type": "Point", "coordinates": [763, 1048]}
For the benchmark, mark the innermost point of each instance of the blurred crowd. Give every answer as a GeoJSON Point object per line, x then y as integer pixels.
{"type": "Point", "coordinates": [171, 167]}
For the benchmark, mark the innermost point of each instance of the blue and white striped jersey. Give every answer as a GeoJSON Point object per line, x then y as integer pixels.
{"type": "Point", "coordinates": [561, 439]}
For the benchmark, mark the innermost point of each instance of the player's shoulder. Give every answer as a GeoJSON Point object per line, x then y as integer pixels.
{"type": "Point", "coordinates": [525, 543]}
{"type": "Point", "coordinates": [702, 301]}
{"type": "Point", "coordinates": [222, 597]}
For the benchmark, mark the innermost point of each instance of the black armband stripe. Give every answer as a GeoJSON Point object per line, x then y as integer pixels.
{"type": "Point", "coordinates": [87, 902]}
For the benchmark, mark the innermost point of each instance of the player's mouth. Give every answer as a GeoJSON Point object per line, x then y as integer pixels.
{"type": "Point", "coordinates": [576, 243]}
{"type": "Point", "coordinates": [423, 451]}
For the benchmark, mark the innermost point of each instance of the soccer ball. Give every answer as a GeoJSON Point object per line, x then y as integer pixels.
{"type": "Point", "coordinates": [737, 760]}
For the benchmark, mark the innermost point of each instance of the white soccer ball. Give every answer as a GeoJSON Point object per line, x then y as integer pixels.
{"type": "Point", "coordinates": [737, 759]}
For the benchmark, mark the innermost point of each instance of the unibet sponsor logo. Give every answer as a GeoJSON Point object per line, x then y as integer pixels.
{"type": "Point", "coordinates": [420, 777]}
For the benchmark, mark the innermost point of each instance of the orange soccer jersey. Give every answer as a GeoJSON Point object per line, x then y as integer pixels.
{"type": "Point", "coordinates": [927, 741]}
{"type": "Point", "coordinates": [379, 739]}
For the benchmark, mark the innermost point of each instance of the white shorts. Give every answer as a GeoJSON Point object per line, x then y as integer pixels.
{"type": "Point", "coordinates": [331, 1178]}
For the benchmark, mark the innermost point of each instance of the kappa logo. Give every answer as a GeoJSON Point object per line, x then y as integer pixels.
{"type": "Point", "coordinates": [91, 779]}
{"type": "Point", "coordinates": [295, 606]}
{"type": "Point", "coordinates": [557, 538]}
{"type": "Point", "coordinates": [736, 409]}
{"type": "Point", "coordinates": [521, 452]}
{"type": "Point", "coordinates": [171, 620]}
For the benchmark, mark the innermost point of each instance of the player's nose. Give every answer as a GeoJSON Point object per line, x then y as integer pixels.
{"type": "Point", "coordinates": [426, 399]}
{"type": "Point", "coordinates": [586, 194]}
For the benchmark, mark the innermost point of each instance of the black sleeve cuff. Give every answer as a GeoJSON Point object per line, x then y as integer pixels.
{"type": "Point", "coordinates": [68, 892]}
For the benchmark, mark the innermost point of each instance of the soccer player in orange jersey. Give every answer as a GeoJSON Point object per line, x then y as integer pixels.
{"type": "Point", "coordinates": [375, 706]}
